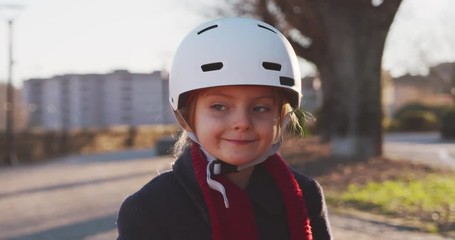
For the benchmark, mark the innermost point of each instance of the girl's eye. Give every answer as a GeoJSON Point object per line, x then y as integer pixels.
{"type": "Point", "coordinates": [219, 107]}
{"type": "Point", "coordinates": [260, 109]}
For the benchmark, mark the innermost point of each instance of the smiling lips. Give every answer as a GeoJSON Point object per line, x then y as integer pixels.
{"type": "Point", "coordinates": [239, 141]}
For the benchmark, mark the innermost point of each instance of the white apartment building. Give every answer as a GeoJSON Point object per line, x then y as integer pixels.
{"type": "Point", "coordinates": [98, 100]}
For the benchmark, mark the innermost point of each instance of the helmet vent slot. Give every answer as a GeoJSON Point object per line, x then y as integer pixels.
{"type": "Point", "coordinates": [287, 81]}
{"type": "Point", "coordinates": [212, 66]}
{"type": "Point", "coordinates": [262, 26]}
{"type": "Point", "coordinates": [207, 28]}
{"type": "Point", "coordinates": [271, 66]}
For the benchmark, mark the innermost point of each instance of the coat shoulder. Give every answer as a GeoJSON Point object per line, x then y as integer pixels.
{"type": "Point", "coordinates": [317, 209]}
{"type": "Point", "coordinates": [138, 215]}
{"type": "Point", "coordinates": [307, 184]}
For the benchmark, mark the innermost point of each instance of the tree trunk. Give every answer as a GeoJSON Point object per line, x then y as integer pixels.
{"type": "Point", "coordinates": [350, 73]}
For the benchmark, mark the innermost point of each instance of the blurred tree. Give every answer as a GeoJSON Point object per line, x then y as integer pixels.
{"type": "Point", "coordinates": [345, 40]}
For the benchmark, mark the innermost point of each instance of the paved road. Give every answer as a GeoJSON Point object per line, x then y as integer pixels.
{"type": "Point", "coordinates": [72, 198]}
{"type": "Point", "coordinates": [427, 148]}
{"type": "Point", "coordinates": [77, 198]}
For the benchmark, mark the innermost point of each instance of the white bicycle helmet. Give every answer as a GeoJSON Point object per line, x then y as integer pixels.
{"type": "Point", "coordinates": [234, 51]}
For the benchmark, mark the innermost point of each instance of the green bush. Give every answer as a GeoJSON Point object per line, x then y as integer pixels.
{"type": "Point", "coordinates": [417, 117]}
{"type": "Point", "coordinates": [418, 120]}
{"type": "Point", "coordinates": [416, 106]}
{"type": "Point", "coordinates": [448, 124]}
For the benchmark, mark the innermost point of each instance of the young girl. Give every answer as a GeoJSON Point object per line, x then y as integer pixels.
{"type": "Point", "coordinates": [234, 84]}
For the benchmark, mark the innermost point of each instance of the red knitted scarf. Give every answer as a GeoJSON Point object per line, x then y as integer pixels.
{"type": "Point", "coordinates": [238, 221]}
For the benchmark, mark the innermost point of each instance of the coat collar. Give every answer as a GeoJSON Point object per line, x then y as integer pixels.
{"type": "Point", "coordinates": [259, 189]}
{"type": "Point", "coordinates": [264, 192]}
{"type": "Point", "coordinates": [183, 170]}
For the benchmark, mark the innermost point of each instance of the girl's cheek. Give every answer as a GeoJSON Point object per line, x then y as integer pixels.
{"type": "Point", "coordinates": [266, 118]}
{"type": "Point", "coordinates": [216, 117]}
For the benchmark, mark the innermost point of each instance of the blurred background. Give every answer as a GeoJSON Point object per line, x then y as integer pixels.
{"type": "Point", "coordinates": [85, 119]}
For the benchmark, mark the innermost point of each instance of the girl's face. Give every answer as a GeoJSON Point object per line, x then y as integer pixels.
{"type": "Point", "coordinates": [236, 124]}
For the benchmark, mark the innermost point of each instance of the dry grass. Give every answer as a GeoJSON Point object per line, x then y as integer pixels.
{"type": "Point", "coordinates": [338, 176]}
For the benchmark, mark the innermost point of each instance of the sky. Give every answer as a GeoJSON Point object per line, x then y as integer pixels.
{"type": "Point", "coordinates": [53, 37]}
{"type": "Point", "coordinates": [422, 35]}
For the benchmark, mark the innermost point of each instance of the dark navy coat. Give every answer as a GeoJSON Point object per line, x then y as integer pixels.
{"type": "Point", "coordinates": [171, 207]}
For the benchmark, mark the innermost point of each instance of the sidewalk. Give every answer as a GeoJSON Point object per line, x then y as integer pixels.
{"type": "Point", "coordinates": [424, 147]}
{"type": "Point", "coordinates": [78, 198]}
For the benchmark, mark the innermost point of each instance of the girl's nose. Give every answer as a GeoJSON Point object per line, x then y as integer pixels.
{"type": "Point", "coordinates": [241, 120]}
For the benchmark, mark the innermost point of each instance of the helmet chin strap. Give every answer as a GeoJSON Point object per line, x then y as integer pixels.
{"type": "Point", "coordinates": [217, 166]}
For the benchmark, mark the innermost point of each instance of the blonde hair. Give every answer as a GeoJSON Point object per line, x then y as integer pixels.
{"type": "Point", "coordinates": [295, 120]}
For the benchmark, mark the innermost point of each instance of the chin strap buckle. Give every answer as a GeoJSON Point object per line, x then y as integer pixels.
{"type": "Point", "coordinates": [218, 167]}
